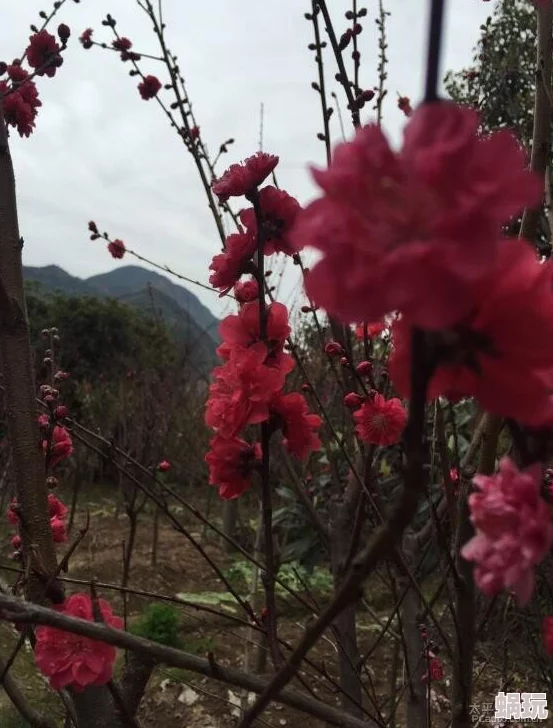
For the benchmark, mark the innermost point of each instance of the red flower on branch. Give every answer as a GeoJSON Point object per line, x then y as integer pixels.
{"type": "Point", "coordinates": [242, 390]}
{"type": "Point", "coordinates": [149, 87]}
{"type": "Point", "coordinates": [411, 231]}
{"type": "Point", "coordinates": [229, 265]}
{"type": "Point", "coordinates": [240, 331]}
{"type": "Point", "coordinates": [60, 448]}
{"type": "Point", "coordinates": [279, 211]}
{"type": "Point", "coordinates": [43, 54]}
{"type": "Point", "coordinates": [21, 101]}
{"type": "Point", "coordinates": [121, 44]}
{"type": "Point", "coordinates": [506, 365]}
{"type": "Point", "coordinates": [70, 660]}
{"type": "Point", "coordinates": [246, 291]}
{"type": "Point", "coordinates": [242, 179]}
{"type": "Point", "coordinates": [231, 462]}
{"type": "Point", "coordinates": [85, 38]}
{"type": "Point", "coordinates": [56, 509]}
{"type": "Point", "coordinates": [164, 466]}
{"type": "Point", "coordinates": [299, 425]}
{"type": "Point", "coordinates": [380, 421]}
{"type": "Point", "coordinates": [117, 249]}
{"type": "Point", "coordinates": [59, 534]}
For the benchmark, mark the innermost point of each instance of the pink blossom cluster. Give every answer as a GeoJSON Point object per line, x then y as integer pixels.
{"type": "Point", "coordinates": [19, 92]}
{"type": "Point", "coordinates": [513, 530]}
{"type": "Point", "coordinates": [248, 388]}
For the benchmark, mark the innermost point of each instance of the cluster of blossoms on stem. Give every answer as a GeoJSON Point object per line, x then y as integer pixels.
{"type": "Point", "coordinates": [55, 443]}
{"type": "Point", "coordinates": [150, 85]}
{"type": "Point", "coordinates": [248, 389]}
{"type": "Point", "coordinates": [278, 212]}
{"type": "Point", "coordinates": [419, 232]}
{"type": "Point", "coordinates": [72, 661]}
{"type": "Point", "coordinates": [18, 91]}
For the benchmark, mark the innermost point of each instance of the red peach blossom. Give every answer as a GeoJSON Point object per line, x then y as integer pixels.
{"type": "Point", "coordinates": [61, 446]}
{"type": "Point", "coordinates": [246, 291]}
{"type": "Point", "coordinates": [299, 426]}
{"type": "Point", "coordinates": [279, 211]}
{"type": "Point", "coordinates": [411, 231]}
{"type": "Point", "coordinates": [380, 421]}
{"type": "Point", "coordinates": [241, 392]}
{"type": "Point", "coordinates": [241, 179]}
{"type": "Point", "coordinates": [229, 265]}
{"type": "Point", "coordinates": [149, 87]}
{"type": "Point", "coordinates": [117, 249]}
{"type": "Point", "coordinates": [231, 462]}
{"type": "Point", "coordinates": [70, 660]}
{"type": "Point", "coordinates": [59, 534]}
{"type": "Point", "coordinates": [43, 53]}
{"type": "Point", "coordinates": [506, 365]}
{"type": "Point", "coordinates": [56, 509]}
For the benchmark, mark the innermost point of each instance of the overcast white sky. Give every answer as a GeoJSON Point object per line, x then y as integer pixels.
{"type": "Point", "coordinates": [100, 152]}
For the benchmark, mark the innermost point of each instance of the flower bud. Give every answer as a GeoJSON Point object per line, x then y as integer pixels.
{"type": "Point", "coordinates": [63, 32]}
{"type": "Point", "coordinates": [364, 368]}
{"type": "Point", "coordinates": [353, 400]}
{"type": "Point", "coordinates": [333, 348]}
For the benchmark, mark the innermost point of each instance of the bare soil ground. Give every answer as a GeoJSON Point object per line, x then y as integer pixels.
{"type": "Point", "coordinates": [179, 698]}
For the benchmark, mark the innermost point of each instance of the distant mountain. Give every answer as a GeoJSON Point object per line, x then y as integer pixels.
{"type": "Point", "coordinates": [192, 323]}
{"type": "Point", "coordinates": [132, 278]}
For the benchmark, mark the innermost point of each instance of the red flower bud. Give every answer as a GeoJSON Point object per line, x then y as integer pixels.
{"type": "Point", "coordinates": [353, 400]}
{"type": "Point", "coordinates": [63, 32]}
{"type": "Point", "coordinates": [333, 348]}
{"type": "Point", "coordinates": [364, 368]}
{"type": "Point", "coordinates": [61, 411]}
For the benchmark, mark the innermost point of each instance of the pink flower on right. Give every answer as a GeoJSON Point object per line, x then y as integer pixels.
{"type": "Point", "coordinates": [513, 530]}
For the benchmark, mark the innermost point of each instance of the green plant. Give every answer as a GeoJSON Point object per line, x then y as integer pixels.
{"type": "Point", "coordinates": [160, 623]}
